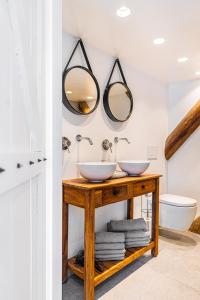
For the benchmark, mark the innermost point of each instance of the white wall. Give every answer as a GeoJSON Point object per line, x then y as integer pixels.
{"type": "Point", "coordinates": [147, 126]}
{"type": "Point", "coordinates": [184, 166]}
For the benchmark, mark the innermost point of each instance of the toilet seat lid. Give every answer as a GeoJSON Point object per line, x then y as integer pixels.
{"type": "Point", "coordinates": [177, 200]}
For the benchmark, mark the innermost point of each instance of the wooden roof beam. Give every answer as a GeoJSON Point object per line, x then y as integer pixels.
{"type": "Point", "coordinates": [183, 131]}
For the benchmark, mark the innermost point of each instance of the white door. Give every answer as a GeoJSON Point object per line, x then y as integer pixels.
{"type": "Point", "coordinates": [23, 217]}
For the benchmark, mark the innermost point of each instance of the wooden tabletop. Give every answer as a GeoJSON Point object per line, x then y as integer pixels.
{"type": "Point", "coordinates": [81, 183]}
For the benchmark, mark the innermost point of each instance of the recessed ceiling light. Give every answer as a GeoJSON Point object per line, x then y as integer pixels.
{"type": "Point", "coordinates": [182, 59]}
{"type": "Point", "coordinates": [158, 41]}
{"type": "Point", "coordinates": [198, 73]}
{"type": "Point", "coordinates": [68, 92]}
{"type": "Point", "coordinates": [123, 12]}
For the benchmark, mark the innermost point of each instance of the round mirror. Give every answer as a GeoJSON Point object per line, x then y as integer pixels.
{"type": "Point", "coordinates": [80, 90]}
{"type": "Point", "coordinates": [118, 101]}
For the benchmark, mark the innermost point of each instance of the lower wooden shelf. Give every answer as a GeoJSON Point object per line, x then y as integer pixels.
{"type": "Point", "coordinates": [111, 267]}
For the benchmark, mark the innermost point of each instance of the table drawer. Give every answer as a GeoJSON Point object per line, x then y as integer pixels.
{"type": "Point", "coordinates": [113, 194]}
{"type": "Point", "coordinates": [73, 196]}
{"type": "Point", "coordinates": [144, 187]}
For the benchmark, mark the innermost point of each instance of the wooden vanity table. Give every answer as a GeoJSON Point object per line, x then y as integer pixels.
{"type": "Point", "coordinates": [90, 196]}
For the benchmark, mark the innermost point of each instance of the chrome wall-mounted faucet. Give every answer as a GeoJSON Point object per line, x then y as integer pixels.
{"type": "Point", "coordinates": [79, 138]}
{"type": "Point", "coordinates": [106, 145]}
{"type": "Point", "coordinates": [116, 140]}
{"type": "Point", "coordinates": [66, 143]}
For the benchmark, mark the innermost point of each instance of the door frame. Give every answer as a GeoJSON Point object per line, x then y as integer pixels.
{"type": "Point", "coordinates": [53, 114]}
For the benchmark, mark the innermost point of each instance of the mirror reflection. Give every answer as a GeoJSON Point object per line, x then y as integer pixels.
{"type": "Point", "coordinates": [120, 101]}
{"type": "Point", "coordinates": [81, 90]}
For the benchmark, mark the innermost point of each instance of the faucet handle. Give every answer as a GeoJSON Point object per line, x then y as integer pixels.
{"type": "Point", "coordinates": [106, 145]}
{"type": "Point", "coordinates": [116, 140]}
{"type": "Point", "coordinates": [66, 143]}
{"type": "Point", "coordinates": [78, 138]}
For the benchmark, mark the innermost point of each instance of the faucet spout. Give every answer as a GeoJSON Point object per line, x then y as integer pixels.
{"type": "Point", "coordinates": [116, 140]}
{"type": "Point", "coordinates": [89, 140]}
{"type": "Point", "coordinates": [79, 138]}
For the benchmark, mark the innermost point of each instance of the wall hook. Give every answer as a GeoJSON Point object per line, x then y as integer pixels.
{"type": "Point", "coordinates": [19, 165]}
{"type": "Point", "coordinates": [31, 162]}
{"type": "Point", "coordinates": [2, 170]}
{"type": "Point", "coordinates": [39, 160]}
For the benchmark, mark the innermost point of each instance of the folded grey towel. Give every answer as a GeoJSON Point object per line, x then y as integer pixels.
{"type": "Point", "coordinates": [111, 246]}
{"type": "Point", "coordinates": [136, 234]}
{"type": "Point", "coordinates": [138, 240]}
{"type": "Point", "coordinates": [111, 258]}
{"type": "Point", "coordinates": [109, 255]}
{"type": "Point", "coordinates": [109, 237]}
{"type": "Point", "coordinates": [139, 244]}
{"type": "Point", "coordinates": [113, 252]}
{"type": "Point", "coordinates": [127, 225]}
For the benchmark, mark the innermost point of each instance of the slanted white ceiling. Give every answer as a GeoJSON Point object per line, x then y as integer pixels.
{"type": "Point", "coordinates": [131, 38]}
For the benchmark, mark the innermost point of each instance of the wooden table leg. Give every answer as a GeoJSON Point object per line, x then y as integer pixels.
{"type": "Point", "coordinates": [65, 242]}
{"type": "Point", "coordinates": [130, 208]}
{"type": "Point", "coordinates": [89, 246]}
{"type": "Point", "coordinates": [155, 218]}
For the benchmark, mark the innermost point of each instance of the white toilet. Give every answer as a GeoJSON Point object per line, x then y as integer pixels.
{"type": "Point", "coordinates": [177, 212]}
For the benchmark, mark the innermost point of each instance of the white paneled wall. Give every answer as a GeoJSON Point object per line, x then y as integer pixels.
{"type": "Point", "coordinates": [22, 191]}
{"type": "Point", "coordinates": [146, 127]}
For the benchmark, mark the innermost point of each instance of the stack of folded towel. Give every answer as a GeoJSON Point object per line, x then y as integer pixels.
{"type": "Point", "coordinates": [109, 246]}
{"type": "Point", "coordinates": [137, 238]}
{"type": "Point", "coordinates": [135, 230]}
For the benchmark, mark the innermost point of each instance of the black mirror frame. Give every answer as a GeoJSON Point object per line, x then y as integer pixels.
{"type": "Point", "coordinates": [106, 101]}
{"type": "Point", "coordinates": [65, 100]}
{"type": "Point", "coordinates": [107, 90]}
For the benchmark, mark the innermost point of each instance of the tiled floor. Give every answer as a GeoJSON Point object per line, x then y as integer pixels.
{"type": "Point", "coordinates": [173, 275]}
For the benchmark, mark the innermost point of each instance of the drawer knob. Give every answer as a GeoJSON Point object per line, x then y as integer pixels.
{"type": "Point", "coordinates": [116, 192]}
{"type": "Point", "coordinates": [143, 186]}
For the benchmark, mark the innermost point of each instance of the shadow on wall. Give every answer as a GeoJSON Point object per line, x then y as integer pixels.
{"type": "Point", "coordinates": [84, 120]}
{"type": "Point", "coordinates": [77, 120]}
{"type": "Point", "coordinates": [118, 126]}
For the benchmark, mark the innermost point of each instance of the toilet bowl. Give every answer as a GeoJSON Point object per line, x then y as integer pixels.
{"type": "Point", "coordinates": [177, 212]}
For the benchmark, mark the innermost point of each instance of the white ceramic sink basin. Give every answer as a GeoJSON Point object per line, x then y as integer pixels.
{"type": "Point", "coordinates": [96, 171]}
{"type": "Point", "coordinates": [134, 167]}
